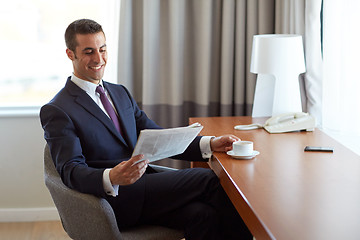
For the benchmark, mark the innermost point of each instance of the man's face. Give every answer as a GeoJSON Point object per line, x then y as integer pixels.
{"type": "Point", "coordinates": [90, 56]}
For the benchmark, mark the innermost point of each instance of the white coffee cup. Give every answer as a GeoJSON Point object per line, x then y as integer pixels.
{"type": "Point", "coordinates": [243, 148]}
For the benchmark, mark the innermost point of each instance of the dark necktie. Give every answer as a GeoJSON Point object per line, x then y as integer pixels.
{"type": "Point", "coordinates": [108, 107]}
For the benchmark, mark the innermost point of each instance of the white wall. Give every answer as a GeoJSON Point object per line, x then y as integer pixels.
{"type": "Point", "coordinates": [24, 196]}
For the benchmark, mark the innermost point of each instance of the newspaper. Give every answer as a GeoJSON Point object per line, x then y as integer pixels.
{"type": "Point", "coordinates": [158, 144]}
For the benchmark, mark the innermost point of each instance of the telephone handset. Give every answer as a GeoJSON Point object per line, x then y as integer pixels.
{"type": "Point", "coordinates": [287, 122]}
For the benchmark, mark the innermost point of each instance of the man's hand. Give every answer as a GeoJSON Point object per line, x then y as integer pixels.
{"type": "Point", "coordinates": [223, 143]}
{"type": "Point", "coordinates": [127, 172]}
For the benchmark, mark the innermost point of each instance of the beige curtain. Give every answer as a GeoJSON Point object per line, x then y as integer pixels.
{"type": "Point", "coordinates": [304, 17]}
{"type": "Point", "coordinates": [190, 58]}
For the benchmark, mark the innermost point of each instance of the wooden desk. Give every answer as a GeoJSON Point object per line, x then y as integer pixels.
{"type": "Point", "coordinates": [286, 193]}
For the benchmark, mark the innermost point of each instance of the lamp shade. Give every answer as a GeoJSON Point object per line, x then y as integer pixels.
{"type": "Point", "coordinates": [278, 59]}
{"type": "Point", "coordinates": [273, 53]}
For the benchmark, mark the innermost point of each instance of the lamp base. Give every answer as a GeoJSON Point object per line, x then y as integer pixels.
{"type": "Point", "coordinates": [264, 96]}
{"type": "Point", "coordinates": [276, 95]}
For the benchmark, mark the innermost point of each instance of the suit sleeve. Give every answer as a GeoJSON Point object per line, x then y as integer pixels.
{"type": "Point", "coordinates": [66, 151]}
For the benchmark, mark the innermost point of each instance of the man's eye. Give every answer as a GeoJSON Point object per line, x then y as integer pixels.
{"type": "Point", "coordinates": [88, 53]}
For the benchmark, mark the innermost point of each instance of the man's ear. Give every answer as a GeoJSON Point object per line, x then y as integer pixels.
{"type": "Point", "coordinates": [70, 54]}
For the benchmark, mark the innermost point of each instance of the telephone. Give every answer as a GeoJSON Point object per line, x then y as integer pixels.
{"type": "Point", "coordinates": [287, 122]}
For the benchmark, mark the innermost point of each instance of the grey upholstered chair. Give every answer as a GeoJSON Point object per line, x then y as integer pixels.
{"type": "Point", "coordinates": [85, 216]}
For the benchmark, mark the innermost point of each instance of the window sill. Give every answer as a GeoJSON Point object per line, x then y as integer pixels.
{"type": "Point", "coordinates": [23, 111]}
{"type": "Point", "coordinates": [350, 141]}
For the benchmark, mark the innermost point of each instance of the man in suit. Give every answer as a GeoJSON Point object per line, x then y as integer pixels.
{"type": "Point", "coordinates": [93, 155]}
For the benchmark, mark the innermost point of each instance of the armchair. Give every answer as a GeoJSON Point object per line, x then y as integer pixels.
{"type": "Point", "coordinates": [85, 216]}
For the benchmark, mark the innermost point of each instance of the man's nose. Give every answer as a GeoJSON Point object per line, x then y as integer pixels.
{"type": "Point", "coordinates": [97, 57]}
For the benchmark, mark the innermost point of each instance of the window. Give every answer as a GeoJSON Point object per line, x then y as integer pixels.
{"type": "Point", "coordinates": [341, 80]}
{"type": "Point", "coordinates": [34, 62]}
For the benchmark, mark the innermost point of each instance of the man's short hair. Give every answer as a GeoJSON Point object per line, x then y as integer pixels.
{"type": "Point", "coordinates": [81, 26]}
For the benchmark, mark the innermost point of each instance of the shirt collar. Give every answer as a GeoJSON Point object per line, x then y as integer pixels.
{"type": "Point", "coordinates": [87, 86]}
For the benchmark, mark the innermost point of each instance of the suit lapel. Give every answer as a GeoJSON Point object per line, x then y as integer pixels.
{"type": "Point", "coordinates": [83, 99]}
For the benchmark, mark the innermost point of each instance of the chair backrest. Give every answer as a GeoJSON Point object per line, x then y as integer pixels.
{"type": "Point", "coordinates": [85, 216]}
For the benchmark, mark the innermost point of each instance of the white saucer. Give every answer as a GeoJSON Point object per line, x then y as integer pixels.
{"type": "Point", "coordinates": [231, 153]}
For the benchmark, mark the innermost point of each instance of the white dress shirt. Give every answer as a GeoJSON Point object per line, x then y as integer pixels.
{"type": "Point", "coordinates": [90, 89]}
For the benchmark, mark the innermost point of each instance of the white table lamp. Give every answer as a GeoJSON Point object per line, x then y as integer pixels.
{"type": "Point", "coordinates": [278, 59]}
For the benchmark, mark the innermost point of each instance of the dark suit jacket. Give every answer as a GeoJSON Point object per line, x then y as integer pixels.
{"type": "Point", "coordinates": [83, 141]}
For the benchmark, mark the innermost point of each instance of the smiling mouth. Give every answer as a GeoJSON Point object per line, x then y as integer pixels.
{"type": "Point", "coordinates": [96, 67]}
